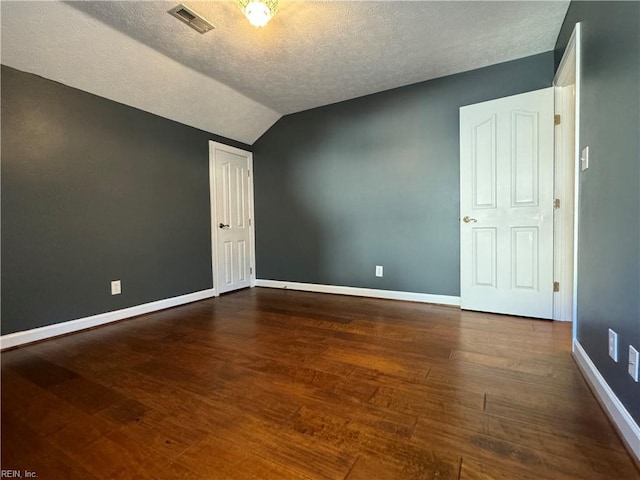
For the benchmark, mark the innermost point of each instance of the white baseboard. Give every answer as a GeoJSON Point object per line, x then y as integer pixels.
{"type": "Point", "coordinates": [361, 292]}
{"type": "Point", "coordinates": [619, 415]}
{"type": "Point", "coordinates": [42, 333]}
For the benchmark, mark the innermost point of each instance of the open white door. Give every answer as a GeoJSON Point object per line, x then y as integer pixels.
{"type": "Point", "coordinates": [506, 205]}
{"type": "Point", "coordinates": [231, 214]}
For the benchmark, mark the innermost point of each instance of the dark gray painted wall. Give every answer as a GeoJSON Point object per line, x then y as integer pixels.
{"type": "Point", "coordinates": [94, 191]}
{"type": "Point", "coordinates": [374, 181]}
{"type": "Point", "coordinates": [609, 207]}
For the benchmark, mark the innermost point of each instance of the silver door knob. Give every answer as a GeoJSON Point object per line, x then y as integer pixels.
{"type": "Point", "coordinates": [222, 225]}
{"type": "Point", "coordinates": [468, 219]}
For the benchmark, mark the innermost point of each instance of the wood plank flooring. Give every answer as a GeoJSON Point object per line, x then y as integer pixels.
{"type": "Point", "coordinates": [275, 384]}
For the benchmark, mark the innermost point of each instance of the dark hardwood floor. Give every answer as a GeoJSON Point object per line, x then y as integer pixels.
{"type": "Point", "coordinates": [275, 384]}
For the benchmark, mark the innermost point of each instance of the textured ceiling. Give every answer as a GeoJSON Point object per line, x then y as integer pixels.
{"type": "Point", "coordinates": [310, 54]}
{"type": "Point", "coordinates": [58, 42]}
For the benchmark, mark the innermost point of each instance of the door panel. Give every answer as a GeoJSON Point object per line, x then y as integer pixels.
{"type": "Point", "coordinates": [242, 261]}
{"type": "Point", "coordinates": [524, 171]}
{"type": "Point", "coordinates": [227, 261]}
{"type": "Point", "coordinates": [484, 257]}
{"type": "Point", "coordinates": [484, 164]}
{"type": "Point", "coordinates": [506, 205]}
{"type": "Point", "coordinates": [524, 258]}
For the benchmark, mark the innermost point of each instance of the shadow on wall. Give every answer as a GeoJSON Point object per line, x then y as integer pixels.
{"type": "Point", "coordinates": [85, 201]}
{"type": "Point", "coordinates": [288, 236]}
{"type": "Point", "coordinates": [357, 181]}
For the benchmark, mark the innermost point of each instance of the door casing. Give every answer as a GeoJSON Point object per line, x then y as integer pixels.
{"type": "Point", "coordinates": [568, 82]}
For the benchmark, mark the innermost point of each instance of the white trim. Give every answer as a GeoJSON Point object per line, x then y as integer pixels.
{"type": "Point", "coordinates": [252, 226]}
{"type": "Point", "coordinates": [212, 216]}
{"type": "Point", "coordinates": [212, 202]}
{"type": "Point", "coordinates": [619, 415]}
{"type": "Point", "coordinates": [565, 173]}
{"type": "Point", "coordinates": [566, 73]}
{"type": "Point", "coordinates": [577, 41]}
{"type": "Point", "coordinates": [362, 292]}
{"type": "Point", "coordinates": [42, 333]}
{"type": "Point", "coordinates": [570, 72]}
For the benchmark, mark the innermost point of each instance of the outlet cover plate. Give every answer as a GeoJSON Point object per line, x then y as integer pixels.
{"type": "Point", "coordinates": [116, 288]}
{"type": "Point", "coordinates": [584, 159]}
{"type": "Point", "coordinates": [379, 271]}
{"type": "Point", "coordinates": [613, 345]}
{"type": "Point", "coordinates": [634, 363]}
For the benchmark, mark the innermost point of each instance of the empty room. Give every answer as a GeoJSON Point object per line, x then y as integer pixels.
{"type": "Point", "coordinates": [350, 240]}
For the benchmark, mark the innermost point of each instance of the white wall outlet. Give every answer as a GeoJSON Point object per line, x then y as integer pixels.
{"type": "Point", "coordinates": [634, 363]}
{"type": "Point", "coordinates": [584, 159]}
{"type": "Point", "coordinates": [378, 270]}
{"type": "Point", "coordinates": [613, 345]}
{"type": "Point", "coordinates": [116, 288]}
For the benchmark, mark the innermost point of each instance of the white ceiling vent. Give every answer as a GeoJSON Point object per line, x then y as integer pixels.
{"type": "Point", "coordinates": [191, 18]}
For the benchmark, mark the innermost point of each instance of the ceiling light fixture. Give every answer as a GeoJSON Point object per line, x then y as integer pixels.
{"type": "Point", "coordinates": [258, 12]}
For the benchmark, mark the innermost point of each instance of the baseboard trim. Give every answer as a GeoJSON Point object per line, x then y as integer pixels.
{"type": "Point", "coordinates": [29, 336]}
{"type": "Point", "coordinates": [619, 415]}
{"type": "Point", "coordinates": [361, 292]}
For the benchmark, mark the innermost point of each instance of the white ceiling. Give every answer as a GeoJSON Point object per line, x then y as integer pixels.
{"type": "Point", "coordinates": [237, 80]}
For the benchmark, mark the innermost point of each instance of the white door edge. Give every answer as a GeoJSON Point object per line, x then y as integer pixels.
{"type": "Point", "coordinates": [563, 216]}
{"type": "Point", "coordinates": [213, 146]}
{"type": "Point", "coordinates": [570, 71]}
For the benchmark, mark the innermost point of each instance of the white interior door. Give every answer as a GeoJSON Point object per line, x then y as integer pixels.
{"type": "Point", "coordinates": [506, 205]}
{"type": "Point", "coordinates": [232, 211]}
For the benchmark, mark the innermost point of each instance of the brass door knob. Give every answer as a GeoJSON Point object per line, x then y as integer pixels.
{"type": "Point", "coordinates": [468, 219]}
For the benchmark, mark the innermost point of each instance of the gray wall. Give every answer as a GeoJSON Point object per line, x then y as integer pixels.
{"type": "Point", "coordinates": [94, 191]}
{"type": "Point", "coordinates": [374, 181]}
{"type": "Point", "coordinates": [609, 207]}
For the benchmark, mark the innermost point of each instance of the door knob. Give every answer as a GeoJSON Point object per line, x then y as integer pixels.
{"type": "Point", "coordinates": [222, 225]}
{"type": "Point", "coordinates": [468, 219]}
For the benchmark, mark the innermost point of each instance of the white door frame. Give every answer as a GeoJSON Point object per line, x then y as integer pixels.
{"type": "Point", "coordinates": [214, 227]}
{"type": "Point", "coordinates": [568, 74]}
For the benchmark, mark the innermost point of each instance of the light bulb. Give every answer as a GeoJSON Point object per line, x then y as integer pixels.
{"type": "Point", "coordinates": [258, 12]}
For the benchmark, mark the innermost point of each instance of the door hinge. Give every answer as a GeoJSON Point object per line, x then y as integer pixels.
{"type": "Point", "coordinates": [248, 173]}
{"type": "Point", "coordinates": [249, 222]}
{"type": "Point", "coordinates": [556, 204]}
{"type": "Point", "coordinates": [250, 270]}
{"type": "Point", "coordinates": [556, 286]}
{"type": "Point", "coordinates": [556, 119]}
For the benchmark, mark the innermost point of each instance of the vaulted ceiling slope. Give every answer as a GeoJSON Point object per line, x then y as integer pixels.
{"type": "Point", "coordinates": [61, 43]}
{"type": "Point", "coordinates": [237, 80]}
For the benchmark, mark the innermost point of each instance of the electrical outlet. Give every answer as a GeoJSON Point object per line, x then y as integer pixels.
{"type": "Point", "coordinates": [378, 270]}
{"type": "Point", "coordinates": [634, 365]}
{"type": "Point", "coordinates": [613, 345]}
{"type": "Point", "coordinates": [584, 159]}
{"type": "Point", "coordinates": [116, 287]}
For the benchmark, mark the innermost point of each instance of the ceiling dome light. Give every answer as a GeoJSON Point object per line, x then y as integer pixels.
{"type": "Point", "coordinates": [258, 12]}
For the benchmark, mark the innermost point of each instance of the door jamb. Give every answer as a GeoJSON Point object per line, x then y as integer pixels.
{"type": "Point", "coordinates": [569, 73]}
{"type": "Point", "coordinates": [213, 146]}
